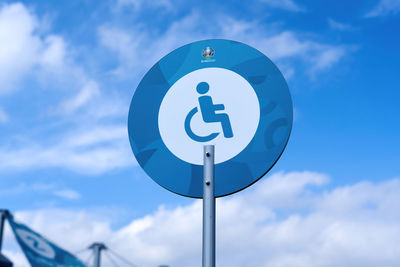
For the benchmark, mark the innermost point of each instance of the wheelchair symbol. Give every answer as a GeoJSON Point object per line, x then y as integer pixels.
{"type": "Point", "coordinates": [207, 110]}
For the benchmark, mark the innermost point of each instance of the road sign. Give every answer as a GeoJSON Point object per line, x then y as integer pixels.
{"type": "Point", "coordinates": [212, 92]}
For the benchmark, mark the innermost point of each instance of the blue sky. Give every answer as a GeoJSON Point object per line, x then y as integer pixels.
{"type": "Point", "coordinates": [69, 70]}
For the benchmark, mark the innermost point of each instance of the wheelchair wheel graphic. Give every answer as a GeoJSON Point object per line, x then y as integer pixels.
{"type": "Point", "coordinates": [191, 134]}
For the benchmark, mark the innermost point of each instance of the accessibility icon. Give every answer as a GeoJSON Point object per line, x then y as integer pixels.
{"type": "Point", "coordinates": [208, 112]}
{"type": "Point", "coordinates": [208, 106]}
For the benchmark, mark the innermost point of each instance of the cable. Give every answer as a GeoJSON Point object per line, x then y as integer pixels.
{"type": "Point", "coordinates": [122, 258]}
{"type": "Point", "coordinates": [113, 256]}
{"type": "Point", "coordinates": [112, 261]}
{"type": "Point", "coordinates": [80, 251]}
{"type": "Point", "coordinates": [87, 261]}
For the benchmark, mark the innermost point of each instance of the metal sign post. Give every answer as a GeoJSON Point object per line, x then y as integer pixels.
{"type": "Point", "coordinates": [2, 219]}
{"type": "Point", "coordinates": [97, 248]}
{"type": "Point", "coordinates": [3, 215]}
{"type": "Point", "coordinates": [208, 208]}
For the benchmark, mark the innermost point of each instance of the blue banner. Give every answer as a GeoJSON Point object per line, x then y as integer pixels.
{"type": "Point", "coordinates": [41, 252]}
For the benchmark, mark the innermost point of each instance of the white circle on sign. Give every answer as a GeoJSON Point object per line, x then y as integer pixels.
{"type": "Point", "coordinates": [227, 88]}
{"type": "Point", "coordinates": [36, 243]}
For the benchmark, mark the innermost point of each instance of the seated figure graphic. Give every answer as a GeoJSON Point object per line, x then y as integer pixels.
{"type": "Point", "coordinates": [208, 109]}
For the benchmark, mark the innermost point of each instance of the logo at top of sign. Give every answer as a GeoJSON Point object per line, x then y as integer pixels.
{"type": "Point", "coordinates": [209, 106]}
{"type": "Point", "coordinates": [208, 52]}
{"type": "Point", "coordinates": [36, 243]}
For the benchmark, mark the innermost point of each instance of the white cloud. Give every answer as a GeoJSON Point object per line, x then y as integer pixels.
{"type": "Point", "coordinates": [92, 151]}
{"type": "Point", "coordinates": [384, 7]}
{"type": "Point", "coordinates": [22, 49]}
{"type": "Point", "coordinates": [326, 58]}
{"type": "Point", "coordinates": [24, 188]}
{"type": "Point", "coordinates": [289, 5]}
{"type": "Point", "coordinates": [54, 55]}
{"type": "Point", "coordinates": [335, 25]}
{"type": "Point", "coordinates": [139, 4]}
{"type": "Point", "coordinates": [286, 46]}
{"type": "Point", "coordinates": [27, 51]}
{"type": "Point", "coordinates": [139, 48]}
{"type": "Point", "coordinates": [40, 188]}
{"type": "Point", "coordinates": [89, 91]}
{"type": "Point", "coordinates": [18, 41]}
{"type": "Point", "coordinates": [289, 219]}
{"type": "Point", "coordinates": [125, 46]}
{"type": "Point", "coordinates": [67, 194]}
{"type": "Point", "coordinates": [3, 116]}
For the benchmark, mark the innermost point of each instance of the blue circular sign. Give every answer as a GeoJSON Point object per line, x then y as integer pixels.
{"type": "Point", "coordinates": [218, 92]}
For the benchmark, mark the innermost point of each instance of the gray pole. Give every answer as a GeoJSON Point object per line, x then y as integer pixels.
{"type": "Point", "coordinates": [97, 256]}
{"type": "Point", "coordinates": [208, 208]}
{"type": "Point", "coordinates": [3, 214]}
{"type": "Point", "coordinates": [2, 219]}
{"type": "Point", "coordinates": [97, 248]}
